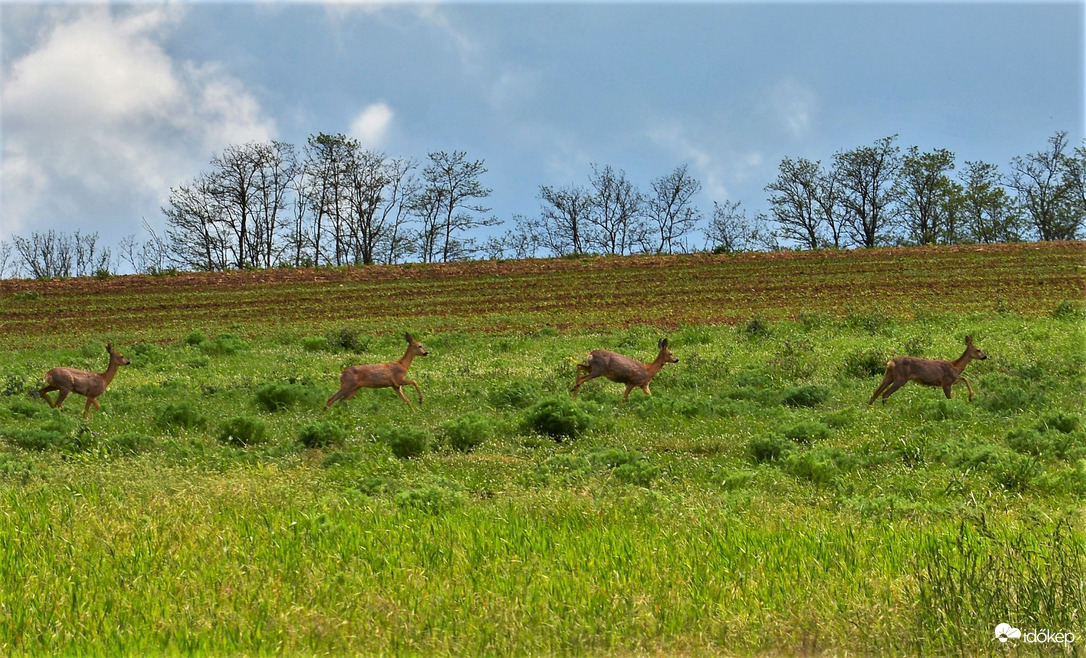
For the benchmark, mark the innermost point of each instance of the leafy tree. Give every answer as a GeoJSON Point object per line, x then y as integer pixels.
{"type": "Point", "coordinates": [988, 213]}
{"type": "Point", "coordinates": [795, 202]}
{"type": "Point", "coordinates": [671, 209]}
{"type": "Point", "coordinates": [1044, 183]}
{"type": "Point", "coordinates": [866, 175]}
{"type": "Point", "coordinates": [729, 229]}
{"type": "Point", "coordinates": [926, 195]}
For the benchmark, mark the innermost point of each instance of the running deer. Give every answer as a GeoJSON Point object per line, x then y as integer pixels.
{"type": "Point", "coordinates": [623, 369]}
{"type": "Point", "coordinates": [89, 384]}
{"type": "Point", "coordinates": [930, 372]}
{"type": "Point", "coordinates": [380, 375]}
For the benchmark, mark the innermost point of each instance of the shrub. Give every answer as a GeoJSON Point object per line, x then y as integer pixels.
{"type": "Point", "coordinates": [348, 339]}
{"type": "Point", "coordinates": [223, 344]}
{"type": "Point", "coordinates": [1059, 421]}
{"type": "Point", "coordinates": [316, 344]}
{"type": "Point", "coordinates": [756, 327]}
{"type": "Point", "coordinates": [1015, 472]}
{"type": "Point", "coordinates": [467, 432]}
{"type": "Point", "coordinates": [1069, 310]}
{"type": "Point", "coordinates": [1005, 395]}
{"type": "Point", "coordinates": [515, 394]}
{"type": "Point", "coordinates": [322, 435]}
{"type": "Point", "coordinates": [431, 498]}
{"type": "Point", "coordinates": [196, 338]}
{"type": "Point", "coordinates": [772, 448]}
{"type": "Point", "coordinates": [57, 434]}
{"type": "Point", "coordinates": [129, 443]}
{"type": "Point", "coordinates": [805, 396]}
{"type": "Point", "coordinates": [405, 442]}
{"type": "Point", "coordinates": [807, 432]}
{"type": "Point", "coordinates": [26, 408]}
{"type": "Point", "coordinates": [943, 409]}
{"type": "Point", "coordinates": [1028, 441]}
{"type": "Point", "coordinates": [626, 465]}
{"type": "Point", "coordinates": [274, 396]}
{"type": "Point", "coordinates": [559, 418]}
{"type": "Point", "coordinates": [867, 363]}
{"type": "Point", "coordinates": [244, 431]}
{"type": "Point", "coordinates": [179, 415]}
{"type": "Point", "coordinates": [822, 464]}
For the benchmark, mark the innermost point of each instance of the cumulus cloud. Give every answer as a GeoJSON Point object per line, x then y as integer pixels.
{"type": "Point", "coordinates": [98, 108]}
{"type": "Point", "coordinates": [371, 125]}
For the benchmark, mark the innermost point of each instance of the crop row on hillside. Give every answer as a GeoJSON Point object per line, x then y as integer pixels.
{"type": "Point", "coordinates": [575, 293]}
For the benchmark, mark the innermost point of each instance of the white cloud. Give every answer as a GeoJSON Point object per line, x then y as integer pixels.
{"type": "Point", "coordinates": [673, 137]}
{"type": "Point", "coordinates": [794, 105]}
{"type": "Point", "coordinates": [371, 125]}
{"type": "Point", "coordinates": [98, 109]}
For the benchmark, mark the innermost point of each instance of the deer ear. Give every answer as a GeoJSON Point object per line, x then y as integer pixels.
{"type": "Point", "coordinates": [408, 337]}
{"type": "Point", "coordinates": [968, 340]}
{"type": "Point", "coordinates": [109, 348]}
{"type": "Point", "coordinates": [662, 344]}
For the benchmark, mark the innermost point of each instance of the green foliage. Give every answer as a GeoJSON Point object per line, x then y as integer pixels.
{"type": "Point", "coordinates": [223, 344]}
{"type": "Point", "coordinates": [1004, 394]}
{"type": "Point", "coordinates": [821, 464]}
{"type": "Point", "coordinates": [1069, 310]}
{"type": "Point", "coordinates": [348, 339]}
{"type": "Point", "coordinates": [59, 434]}
{"type": "Point", "coordinates": [807, 432]}
{"type": "Point", "coordinates": [322, 435]}
{"type": "Point", "coordinates": [405, 442]}
{"type": "Point", "coordinates": [628, 466]}
{"type": "Point", "coordinates": [865, 363]}
{"type": "Point", "coordinates": [467, 432]}
{"type": "Point", "coordinates": [196, 338]}
{"type": "Point", "coordinates": [129, 443]}
{"type": "Point", "coordinates": [559, 418]}
{"type": "Point", "coordinates": [515, 394]}
{"type": "Point", "coordinates": [805, 396]}
{"type": "Point", "coordinates": [756, 327]}
{"type": "Point", "coordinates": [433, 498]}
{"type": "Point", "coordinates": [1028, 441]}
{"type": "Point", "coordinates": [769, 448]}
{"type": "Point", "coordinates": [1060, 422]}
{"type": "Point", "coordinates": [316, 344]}
{"type": "Point", "coordinates": [243, 431]}
{"type": "Point", "coordinates": [179, 415]}
{"type": "Point", "coordinates": [277, 396]}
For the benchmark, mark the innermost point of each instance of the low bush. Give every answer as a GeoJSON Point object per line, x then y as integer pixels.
{"type": "Point", "coordinates": [179, 415]}
{"type": "Point", "coordinates": [316, 344]}
{"type": "Point", "coordinates": [1015, 472]}
{"type": "Point", "coordinates": [433, 498]}
{"type": "Point", "coordinates": [322, 435]}
{"type": "Point", "coordinates": [866, 363]}
{"type": "Point", "coordinates": [1060, 422]}
{"type": "Point", "coordinates": [771, 448]}
{"type": "Point", "coordinates": [276, 396]}
{"type": "Point", "coordinates": [348, 339]}
{"type": "Point", "coordinates": [467, 432]}
{"type": "Point", "coordinates": [805, 396]}
{"type": "Point", "coordinates": [1028, 441]}
{"type": "Point", "coordinates": [129, 443]}
{"type": "Point", "coordinates": [807, 432]}
{"type": "Point", "coordinates": [559, 418]}
{"type": "Point", "coordinates": [243, 431]}
{"type": "Point", "coordinates": [821, 464]}
{"type": "Point", "coordinates": [223, 344]}
{"type": "Point", "coordinates": [405, 442]}
{"type": "Point", "coordinates": [515, 394]}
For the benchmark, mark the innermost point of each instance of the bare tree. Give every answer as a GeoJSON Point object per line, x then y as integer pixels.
{"type": "Point", "coordinates": [147, 257]}
{"type": "Point", "coordinates": [866, 176]}
{"type": "Point", "coordinates": [277, 167]}
{"type": "Point", "coordinates": [1045, 189]}
{"type": "Point", "coordinates": [326, 164]}
{"type": "Point", "coordinates": [89, 258]}
{"type": "Point", "coordinates": [563, 219]}
{"type": "Point", "coordinates": [926, 195]}
{"type": "Point", "coordinates": [795, 203]}
{"type": "Point", "coordinates": [1076, 176]}
{"type": "Point", "coordinates": [5, 259]}
{"type": "Point", "coordinates": [198, 239]}
{"type": "Point", "coordinates": [616, 212]}
{"type": "Point", "coordinates": [729, 230]}
{"type": "Point", "coordinates": [447, 206]}
{"type": "Point", "coordinates": [46, 255]}
{"type": "Point", "coordinates": [671, 208]}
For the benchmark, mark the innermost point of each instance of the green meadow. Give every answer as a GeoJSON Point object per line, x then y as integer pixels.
{"type": "Point", "coordinates": [755, 504]}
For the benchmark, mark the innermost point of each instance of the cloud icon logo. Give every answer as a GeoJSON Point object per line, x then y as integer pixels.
{"type": "Point", "coordinates": [1005, 632]}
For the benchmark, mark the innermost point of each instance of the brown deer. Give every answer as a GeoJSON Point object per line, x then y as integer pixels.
{"type": "Point", "coordinates": [623, 369]}
{"type": "Point", "coordinates": [380, 375]}
{"type": "Point", "coordinates": [89, 384]}
{"type": "Point", "coordinates": [930, 372]}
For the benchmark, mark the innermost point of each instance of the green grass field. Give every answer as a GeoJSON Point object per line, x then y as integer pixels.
{"type": "Point", "coordinates": [755, 504]}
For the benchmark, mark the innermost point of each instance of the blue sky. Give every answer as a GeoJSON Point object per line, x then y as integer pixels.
{"type": "Point", "coordinates": [104, 107]}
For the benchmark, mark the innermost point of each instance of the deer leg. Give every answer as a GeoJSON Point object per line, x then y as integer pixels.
{"type": "Point", "coordinates": [893, 387]}
{"type": "Point", "coordinates": [629, 387]}
{"type": "Point", "coordinates": [417, 389]}
{"type": "Point", "coordinates": [645, 388]}
{"type": "Point", "coordinates": [967, 386]}
{"type": "Point", "coordinates": [60, 397]}
{"type": "Point", "coordinates": [48, 389]}
{"type": "Point", "coordinates": [886, 379]}
{"type": "Point", "coordinates": [581, 380]}
{"type": "Point", "coordinates": [399, 392]}
{"type": "Point", "coordinates": [341, 394]}
{"type": "Point", "coordinates": [86, 408]}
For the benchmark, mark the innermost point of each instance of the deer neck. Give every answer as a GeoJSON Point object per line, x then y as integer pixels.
{"type": "Point", "coordinates": [407, 358]}
{"type": "Point", "coordinates": [110, 372]}
{"type": "Point", "coordinates": [657, 365]}
{"type": "Point", "coordinates": [962, 361]}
